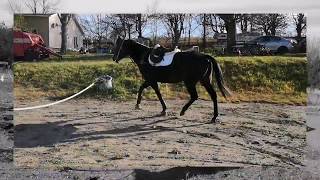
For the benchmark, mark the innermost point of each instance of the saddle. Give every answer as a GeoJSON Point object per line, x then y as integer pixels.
{"type": "Point", "coordinates": [157, 53]}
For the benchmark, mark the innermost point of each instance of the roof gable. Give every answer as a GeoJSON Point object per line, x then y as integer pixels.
{"type": "Point", "coordinates": [75, 19]}
{"type": "Point", "coordinates": [36, 15]}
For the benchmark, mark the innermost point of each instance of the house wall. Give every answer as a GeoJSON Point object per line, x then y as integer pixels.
{"type": "Point", "coordinates": [54, 32]}
{"type": "Point", "coordinates": [40, 24]}
{"type": "Point", "coordinates": [74, 35]}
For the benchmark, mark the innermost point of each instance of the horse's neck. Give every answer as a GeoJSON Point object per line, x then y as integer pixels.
{"type": "Point", "coordinates": [138, 52]}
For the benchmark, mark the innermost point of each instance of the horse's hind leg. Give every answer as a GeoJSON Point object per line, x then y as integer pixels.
{"type": "Point", "coordinates": [155, 87]}
{"type": "Point", "coordinates": [191, 87]}
{"type": "Point", "coordinates": [142, 87]}
{"type": "Point", "coordinates": [213, 95]}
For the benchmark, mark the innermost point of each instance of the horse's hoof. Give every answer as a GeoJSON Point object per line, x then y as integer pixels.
{"type": "Point", "coordinates": [138, 107]}
{"type": "Point", "coordinates": [215, 120]}
{"type": "Point", "coordinates": [181, 113]}
{"type": "Point", "coordinates": [163, 113]}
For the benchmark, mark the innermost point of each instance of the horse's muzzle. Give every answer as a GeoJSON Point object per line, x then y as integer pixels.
{"type": "Point", "coordinates": [115, 59]}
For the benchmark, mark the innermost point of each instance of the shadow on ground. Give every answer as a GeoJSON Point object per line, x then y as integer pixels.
{"type": "Point", "coordinates": [175, 173]}
{"type": "Point", "coordinates": [51, 133]}
{"type": "Point", "coordinates": [47, 134]}
{"type": "Point", "coordinates": [178, 173]}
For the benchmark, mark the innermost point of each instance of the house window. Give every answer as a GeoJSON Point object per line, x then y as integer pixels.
{"type": "Point", "coordinates": [75, 42]}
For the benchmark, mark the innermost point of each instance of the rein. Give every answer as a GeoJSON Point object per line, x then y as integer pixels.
{"type": "Point", "coordinates": [120, 49]}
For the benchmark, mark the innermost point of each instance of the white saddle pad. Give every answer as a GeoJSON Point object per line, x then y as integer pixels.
{"type": "Point", "coordinates": [167, 59]}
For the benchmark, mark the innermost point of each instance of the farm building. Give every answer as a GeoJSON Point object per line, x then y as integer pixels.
{"type": "Point", "coordinates": [49, 27]}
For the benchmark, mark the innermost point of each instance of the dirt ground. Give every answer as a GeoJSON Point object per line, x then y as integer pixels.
{"type": "Point", "coordinates": [84, 139]}
{"type": "Point", "coordinates": [95, 134]}
{"type": "Point", "coordinates": [313, 121]}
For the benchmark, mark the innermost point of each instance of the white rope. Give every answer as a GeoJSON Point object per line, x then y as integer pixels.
{"type": "Point", "coordinates": [16, 62]}
{"type": "Point", "coordinates": [57, 102]}
{"type": "Point", "coordinates": [120, 49]}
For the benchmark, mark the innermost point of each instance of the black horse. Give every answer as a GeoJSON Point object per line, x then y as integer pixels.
{"type": "Point", "coordinates": [189, 67]}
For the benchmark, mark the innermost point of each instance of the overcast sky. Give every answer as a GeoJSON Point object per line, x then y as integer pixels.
{"type": "Point", "coordinates": [310, 7]}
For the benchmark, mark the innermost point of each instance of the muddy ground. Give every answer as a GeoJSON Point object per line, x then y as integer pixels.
{"type": "Point", "coordinates": [113, 135]}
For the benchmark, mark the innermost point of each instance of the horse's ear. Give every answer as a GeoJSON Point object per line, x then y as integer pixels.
{"type": "Point", "coordinates": [121, 37]}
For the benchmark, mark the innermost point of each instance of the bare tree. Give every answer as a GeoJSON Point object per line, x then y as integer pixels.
{"type": "Point", "coordinates": [141, 22]}
{"type": "Point", "coordinates": [230, 25]}
{"type": "Point", "coordinates": [243, 20]}
{"type": "Point", "coordinates": [191, 26]}
{"type": "Point", "coordinates": [251, 21]}
{"type": "Point", "coordinates": [153, 21]}
{"type": "Point", "coordinates": [118, 26]}
{"type": "Point", "coordinates": [33, 6]}
{"type": "Point", "coordinates": [139, 25]}
{"type": "Point", "coordinates": [49, 6]}
{"type": "Point", "coordinates": [14, 6]}
{"type": "Point", "coordinates": [122, 24]}
{"type": "Point", "coordinates": [130, 21]}
{"type": "Point", "coordinates": [204, 19]}
{"type": "Point", "coordinates": [97, 27]}
{"type": "Point", "coordinates": [270, 24]}
{"type": "Point", "coordinates": [301, 24]}
{"type": "Point", "coordinates": [216, 23]}
{"type": "Point", "coordinates": [64, 19]}
{"type": "Point", "coordinates": [42, 6]}
{"type": "Point", "coordinates": [175, 26]}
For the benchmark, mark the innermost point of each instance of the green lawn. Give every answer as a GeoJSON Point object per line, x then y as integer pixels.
{"type": "Point", "coordinates": [273, 79]}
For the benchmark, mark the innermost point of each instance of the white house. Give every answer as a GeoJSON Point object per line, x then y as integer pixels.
{"type": "Point", "coordinates": [49, 27]}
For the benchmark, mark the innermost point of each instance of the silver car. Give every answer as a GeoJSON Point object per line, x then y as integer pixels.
{"type": "Point", "coordinates": [275, 44]}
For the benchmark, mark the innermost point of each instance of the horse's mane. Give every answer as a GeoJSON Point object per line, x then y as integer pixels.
{"type": "Point", "coordinates": [139, 43]}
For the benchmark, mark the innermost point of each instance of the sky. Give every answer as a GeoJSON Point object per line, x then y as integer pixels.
{"type": "Point", "coordinates": [310, 7]}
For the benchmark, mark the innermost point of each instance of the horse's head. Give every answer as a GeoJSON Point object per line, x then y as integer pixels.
{"type": "Point", "coordinates": [120, 50]}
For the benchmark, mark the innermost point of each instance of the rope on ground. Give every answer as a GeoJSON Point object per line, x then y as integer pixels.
{"type": "Point", "coordinates": [16, 62]}
{"type": "Point", "coordinates": [103, 80]}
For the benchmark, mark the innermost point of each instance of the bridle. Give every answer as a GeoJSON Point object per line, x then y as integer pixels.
{"type": "Point", "coordinates": [120, 49]}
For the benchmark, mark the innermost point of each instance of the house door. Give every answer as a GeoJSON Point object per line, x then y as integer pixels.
{"type": "Point", "coordinates": [75, 42]}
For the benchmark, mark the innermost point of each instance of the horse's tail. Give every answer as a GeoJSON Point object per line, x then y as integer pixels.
{"type": "Point", "coordinates": [218, 75]}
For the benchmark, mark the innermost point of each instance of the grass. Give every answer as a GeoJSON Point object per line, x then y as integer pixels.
{"type": "Point", "coordinates": [272, 79]}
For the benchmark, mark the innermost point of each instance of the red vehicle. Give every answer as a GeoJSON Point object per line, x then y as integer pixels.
{"type": "Point", "coordinates": [29, 46]}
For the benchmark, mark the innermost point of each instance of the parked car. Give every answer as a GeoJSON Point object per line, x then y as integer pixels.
{"type": "Point", "coordinates": [92, 50]}
{"type": "Point", "coordinates": [275, 44]}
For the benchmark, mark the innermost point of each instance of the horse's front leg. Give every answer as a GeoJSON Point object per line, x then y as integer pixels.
{"type": "Point", "coordinates": [155, 87]}
{"type": "Point", "coordinates": [142, 87]}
